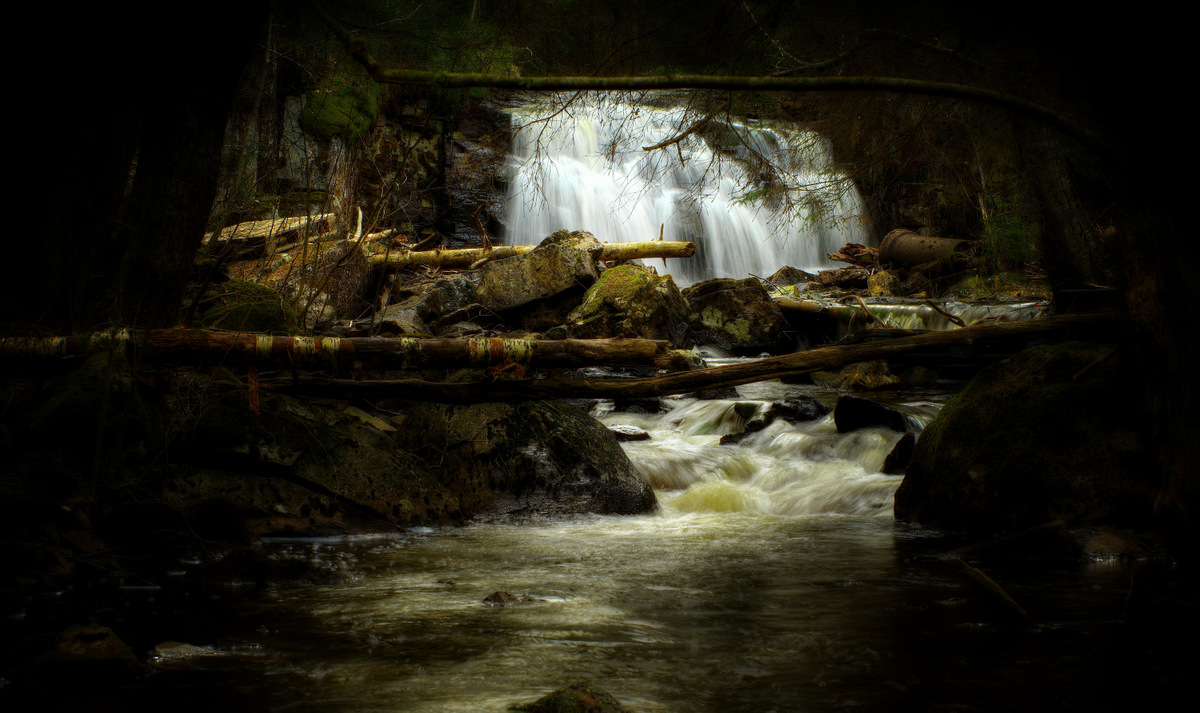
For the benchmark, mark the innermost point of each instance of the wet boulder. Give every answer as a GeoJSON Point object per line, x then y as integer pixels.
{"type": "Point", "coordinates": [82, 651]}
{"type": "Point", "coordinates": [630, 301]}
{"type": "Point", "coordinates": [861, 376]}
{"type": "Point", "coordinates": [853, 412]}
{"type": "Point", "coordinates": [541, 457]}
{"type": "Point", "coordinates": [737, 315]}
{"type": "Point", "coordinates": [576, 698]}
{"type": "Point", "coordinates": [796, 409]}
{"type": "Point", "coordinates": [564, 262]}
{"type": "Point", "coordinates": [1049, 434]}
{"type": "Point", "coordinates": [300, 467]}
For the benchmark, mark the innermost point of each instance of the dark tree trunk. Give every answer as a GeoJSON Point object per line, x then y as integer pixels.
{"type": "Point", "coordinates": [128, 159]}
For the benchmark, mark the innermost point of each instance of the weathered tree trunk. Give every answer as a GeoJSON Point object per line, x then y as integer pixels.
{"type": "Point", "coordinates": [467, 257]}
{"type": "Point", "coordinates": [679, 383]}
{"type": "Point", "coordinates": [209, 347]}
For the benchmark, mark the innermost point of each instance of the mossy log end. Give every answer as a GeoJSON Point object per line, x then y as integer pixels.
{"type": "Point", "coordinates": [210, 347]}
{"type": "Point", "coordinates": [822, 358]}
{"type": "Point", "coordinates": [467, 257]}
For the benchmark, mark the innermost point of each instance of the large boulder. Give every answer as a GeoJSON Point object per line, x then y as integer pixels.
{"type": "Point", "coordinates": [630, 301]}
{"type": "Point", "coordinates": [542, 457]}
{"type": "Point", "coordinates": [1047, 435]}
{"type": "Point", "coordinates": [301, 467]}
{"type": "Point", "coordinates": [417, 310]}
{"type": "Point", "coordinates": [737, 315]}
{"type": "Point", "coordinates": [563, 263]}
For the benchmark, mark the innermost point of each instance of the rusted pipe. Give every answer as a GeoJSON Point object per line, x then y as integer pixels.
{"type": "Point", "coordinates": [905, 248]}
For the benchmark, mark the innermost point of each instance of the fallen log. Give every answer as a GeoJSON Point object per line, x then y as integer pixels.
{"type": "Point", "coordinates": [822, 358]}
{"type": "Point", "coordinates": [262, 230]}
{"type": "Point", "coordinates": [211, 347]}
{"type": "Point", "coordinates": [855, 254]}
{"type": "Point", "coordinates": [464, 258]}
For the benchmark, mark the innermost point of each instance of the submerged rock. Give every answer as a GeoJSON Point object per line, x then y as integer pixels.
{"type": "Point", "coordinates": [544, 457]}
{"type": "Point", "coordinates": [94, 650]}
{"type": "Point", "coordinates": [1047, 435]}
{"type": "Point", "coordinates": [576, 698]}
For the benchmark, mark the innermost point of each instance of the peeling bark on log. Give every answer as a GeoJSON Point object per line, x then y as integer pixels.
{"type": "Point", "coordinates": [823, 358]}
{"type": "Point", "coordinates": [265, 229]}
{"type": "Point", "coordinates": [466, 257]}
{"type": "Point", "coordinates": [209, 347]}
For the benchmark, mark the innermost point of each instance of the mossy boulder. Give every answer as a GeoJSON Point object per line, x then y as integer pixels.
{"type": "Point", "coordinates": [737, 315]}
{"type": "Point", "coordinates": [564, 262]}
{"type": "Point", "coordinates": [631, 301]}
{"type": "Point", "coordinates": [542, 457]}
{"type": "Point", "coordinates": [1047, 435]}
{"type": "Point", "coordinates": [302, 468]}
{"type": "Point", "coordinates": [342, 108]}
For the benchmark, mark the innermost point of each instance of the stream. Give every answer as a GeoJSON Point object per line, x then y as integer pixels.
{"type": "Point", "coordinates": [773, 578]}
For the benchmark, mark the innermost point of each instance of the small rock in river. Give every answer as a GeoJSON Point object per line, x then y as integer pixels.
{"type": "Point", "coordinates": [499, 599]}
{"type": "Point", "coordinates": [629, 433]}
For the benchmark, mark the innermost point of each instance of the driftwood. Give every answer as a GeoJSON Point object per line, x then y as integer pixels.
{"type": "Point", "coordinates": [210, 347]}
{"type": "Point", "coordinates": [823, 358]}
{"type": "Point", "coordinates": [263, 230]}
{"type": "Point", "coordinates": [466, 257]}
{"type": "Point", "coordinates": [855, 254]}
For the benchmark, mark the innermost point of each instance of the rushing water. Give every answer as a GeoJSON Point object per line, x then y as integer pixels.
{"type": "Point", "coordinates": [772, 579]}
{"type": "Point", "coordinates": [754, 197]}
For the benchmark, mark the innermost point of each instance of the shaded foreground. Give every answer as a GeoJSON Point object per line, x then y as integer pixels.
{"type": "Point", "coordinates": [683, 611]}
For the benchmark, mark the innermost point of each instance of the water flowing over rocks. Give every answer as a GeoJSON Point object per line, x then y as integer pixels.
{"type": "Point", "coordinates": [1047, 435]}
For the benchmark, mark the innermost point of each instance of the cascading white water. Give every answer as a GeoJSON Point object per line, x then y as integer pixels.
{"type": "Point", "coordinates": [753, 196]}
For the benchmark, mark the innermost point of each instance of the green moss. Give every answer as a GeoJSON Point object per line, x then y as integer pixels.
{"type": "Point", "coordinates": [249, 307]}
{"type": "Point", "coordinates": [345, 105]}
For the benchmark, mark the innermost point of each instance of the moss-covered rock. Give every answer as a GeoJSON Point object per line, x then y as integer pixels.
{"type": "Point", "coordinates": [564, 262]}
{"type": "Point", "coordinates": [1040, 437]}
{"type": "Point", "coordinates": [737, 315]}
{"type": "Point", "coordinates": [542, 457]}
{"type": "Point", "coordinates": [631, 301]}
{"type": "Point", "coordinates": [303, 468]}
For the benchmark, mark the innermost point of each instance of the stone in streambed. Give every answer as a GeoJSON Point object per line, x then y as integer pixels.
{"type": "Point", "coordinates": [576, 698]}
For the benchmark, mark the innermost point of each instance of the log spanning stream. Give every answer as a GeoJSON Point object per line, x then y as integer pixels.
{"type": "Point", "coordinates": [773, 579]}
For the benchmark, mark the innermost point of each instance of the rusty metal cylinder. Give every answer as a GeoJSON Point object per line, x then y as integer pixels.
{"type": "Point", "coordinates": [905, 248]}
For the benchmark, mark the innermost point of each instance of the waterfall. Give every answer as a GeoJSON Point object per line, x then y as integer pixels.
{"type": "Point", "coordinates": [753, 196]}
